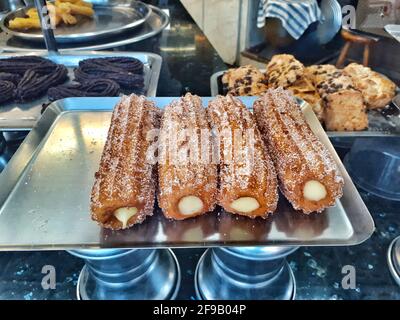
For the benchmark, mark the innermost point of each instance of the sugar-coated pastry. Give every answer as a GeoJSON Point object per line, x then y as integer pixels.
{"type": "Point", "coordinates": [187, 175]}
{"type": "Point", "coordinates": [308, 175]}
{"type": "Point", "coordinates": [123, 193]}
{"type": "Point", "coordinates": [248, 184]}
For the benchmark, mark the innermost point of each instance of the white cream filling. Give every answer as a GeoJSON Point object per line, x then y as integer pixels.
{"type": "Point", "coordinates": [314, 191]}
{"type": "Point", "coordinates": [124, 214]}
{"type": "Point", "coordinates": [245, 204]}
{"type": "Point", "coordinates": [189, 205]}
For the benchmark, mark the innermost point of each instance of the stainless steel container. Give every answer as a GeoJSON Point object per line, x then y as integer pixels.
{"type": "Point", "coordinates": [247, 273]}
{"type": "Point", "coordinates": [135, 274]}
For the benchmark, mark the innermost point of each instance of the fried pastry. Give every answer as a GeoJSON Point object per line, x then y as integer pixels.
{"type": "Point", "coordinates": [94, 88]}
{"type": "Point", "coordinates": [248, 183]}
{"type": "Point", "coordinates": [308, 175]}
{"type": "Point", "coordinates": [377, 90]}
{"type": "Point", "coordinates": [187, 176]}
{"type": "Point", "coordinates": [6, 90]}
{"type": "Point", "coordinates": [123, 193]}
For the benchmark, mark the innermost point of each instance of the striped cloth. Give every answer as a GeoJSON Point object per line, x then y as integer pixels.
{"type": "Point", "coordinates": [295, 15]}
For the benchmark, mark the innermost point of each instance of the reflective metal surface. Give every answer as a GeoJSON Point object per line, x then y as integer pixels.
{"type": "Point", "coordinates": [156, 22]}
{"type": "Point", "coordinates": [393, 257]}
{"type": "Point", "coordinates": [23, 116]}
{"type": "Point", "coordinates": [331, 21]}
{"type": "Point", "coordinates": [111, 18]}
{"type": "Point", "coordinates": [137, 274]}
{"type": "Point", "coordinates": [46, 188]}
{"type": "Point", "coordinates": [374, 164]}
{"type": "Point", "coordinates": [247, 273]}
{"type": "Point", "coordinates": [10, 5]}
{"type": "Point", "coordinates": [393, 30]}
{"type": "Point", "coordinates": [381, 122]}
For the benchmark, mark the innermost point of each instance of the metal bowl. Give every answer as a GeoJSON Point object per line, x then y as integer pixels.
{"type": "Point", "coordinates": [112, 17]}
{"type": "Point", "coordinates": [374, 165]}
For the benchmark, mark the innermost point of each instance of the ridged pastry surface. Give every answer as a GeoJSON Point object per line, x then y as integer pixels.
{"type": "Point", "coordinates": [126, 179]}
{"type": "Point", "coordinates": [186, 171]}
{"type": "Point", "coordinates": [246, 170]}
{"type": "Point", "coordinates": [298, 155]}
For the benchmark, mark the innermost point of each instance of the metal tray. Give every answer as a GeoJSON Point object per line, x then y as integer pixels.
{"type": "Point", "coordinates": [111, 17]}
{"type": "Point", "coordinates": [156, 22]}
{"type": "Point", "coordinates": [23, 116]}
{"type": "Point", "coordinates": [393, 30]}
{"type": "Point", "coordinates": [46, 187]}
{"type": "Point", "coordinates": [381, 123]}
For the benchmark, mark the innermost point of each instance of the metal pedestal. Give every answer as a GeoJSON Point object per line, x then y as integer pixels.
{"type": "Point", "coordinates": [248, 273]}
{"type": "Point", "coordinates": [132, 274]}
{"type": "Point", "coordinates": [394, 259]}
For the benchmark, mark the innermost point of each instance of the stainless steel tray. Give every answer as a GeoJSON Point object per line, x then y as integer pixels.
{"type": "Point", "coordinates": [111, 17]}
{"type": "Point", "coordinates": [23, 116]}
{"type": "Point", "coordinates": [380, 123]}
{"type": "Point", "coordinates": [393, 30]}
{"type": "Point", "coordinates": [156, 22]}
{"type": "Point", "coordinates": [46, 187]}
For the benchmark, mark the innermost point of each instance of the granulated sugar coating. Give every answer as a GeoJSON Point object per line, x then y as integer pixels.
{"type": "Point", "coordinates": [246, 171]}
{"type": "Point", "coordinates": [125, 179]}
{"type": "Point", "coordinates": [185, 167]}
{"type": "Point", "coordinates": [298, 155]}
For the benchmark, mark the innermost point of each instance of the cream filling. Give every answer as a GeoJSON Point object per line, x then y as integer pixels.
{"type": "Point", "coordinates": [124, 214]}
{"type": "Point", "coordinates": [189, 205]}
{"type": "Point", "coordinates": [314, 191]}
{"type": "Point", "coordinates": [245, 204]}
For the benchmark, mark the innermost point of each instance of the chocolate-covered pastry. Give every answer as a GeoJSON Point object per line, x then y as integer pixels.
{"type": "Point", "coordinates": [12, 77]}
{"type": "Point", "coordinates": [121, 64]}
{"type": "Point", "coordinates": [20, 65]}
{"type": "Point", "coordinates": [39, 79]}
{"type": "Point", "coordinates": [127, 72]}
{"type": "Point", "coordinates": [6, 90]}
{"type": "Point", "coordinates": [93, 88]}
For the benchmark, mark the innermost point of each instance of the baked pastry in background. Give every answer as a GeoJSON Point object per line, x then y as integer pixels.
{"type": "Point", "coordinates": [187, 180]}
{"type": "Point", "coordinates": [320, 72]}
{"type": "Point", "coordinates": [123, 193]}
{"type": "Point", "coordinates": [377, 90]}
{"type": "Point", "coordinates": [308, 175]}
{"type": "Point", "coordinates": [284, 70]}
{"type": "Point", "coordinates": [344, 106]}
{"type": "Point", "coordinates": [255, 89]}
{"type": "Point", "coordinates": [247, 179]}
{"type": "Point", "coordinates": [245, 81]}
{"type": "Point", "coordinates": [287, 72]}
{"type": "Point", "coordinates": [305, 90]}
